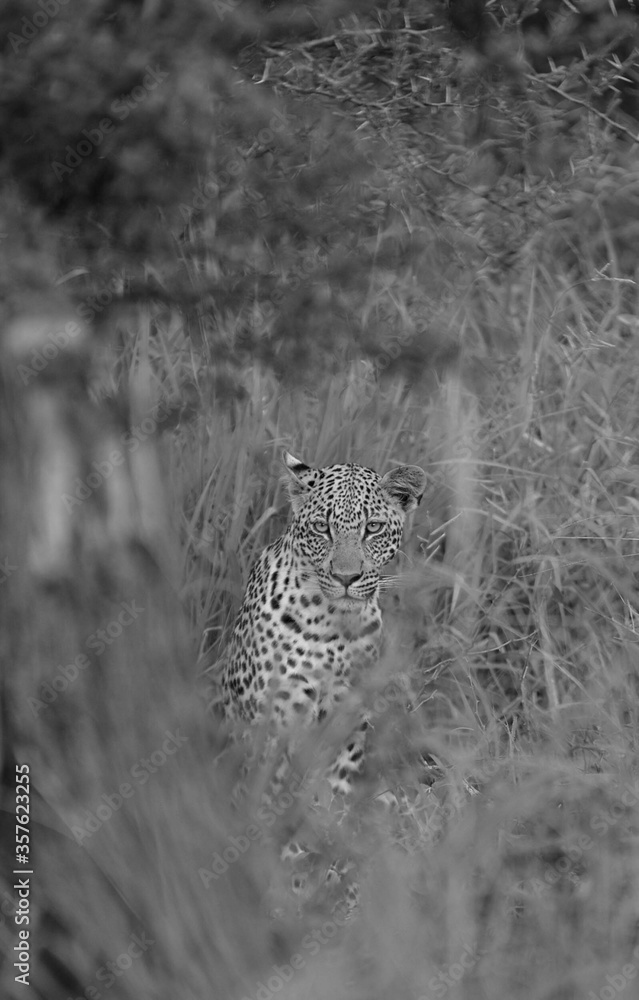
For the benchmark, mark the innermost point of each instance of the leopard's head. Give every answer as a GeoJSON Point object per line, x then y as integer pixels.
{"type": "Point", "coordinates": [347, 523]}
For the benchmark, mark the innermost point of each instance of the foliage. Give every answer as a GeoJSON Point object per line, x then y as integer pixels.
{"type": "Point", "coordinates": [418, 244]}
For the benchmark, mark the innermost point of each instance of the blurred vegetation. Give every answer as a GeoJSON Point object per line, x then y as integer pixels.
{"type": "Point", "coordinates": [368, 232]}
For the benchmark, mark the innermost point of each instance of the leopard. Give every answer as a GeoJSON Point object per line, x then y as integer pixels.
{"type": "Point", "coordinates": [311, 620]}
{"type": "Point", "coordinates": [311, 615]}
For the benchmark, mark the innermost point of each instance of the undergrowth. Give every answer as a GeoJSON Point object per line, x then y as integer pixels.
{"type": "Point", "coordinates": [504, 711]}
{"type": "Point", "coordinates": [464, 300]}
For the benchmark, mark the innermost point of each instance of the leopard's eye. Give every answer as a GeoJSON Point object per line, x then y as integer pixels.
{"type": "Point", "coordinates": [321, 527]}
{"type": "Point", "coordinates": [374, 527]}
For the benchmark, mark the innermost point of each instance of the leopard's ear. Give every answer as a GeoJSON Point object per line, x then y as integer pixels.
{"type": "Point", "coordinates": [404, 486]}
{"type": "Point", "coordinates": [300, 479]}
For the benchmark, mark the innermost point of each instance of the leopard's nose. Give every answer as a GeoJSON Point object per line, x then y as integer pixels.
{"type": "Point", "coordinates": [347, 578]}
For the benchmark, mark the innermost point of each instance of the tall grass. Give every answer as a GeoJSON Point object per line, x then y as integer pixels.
{"type": "Point", "coordinates": [504, 712]}
{"type": "Point", "coordinates": [494, 831]}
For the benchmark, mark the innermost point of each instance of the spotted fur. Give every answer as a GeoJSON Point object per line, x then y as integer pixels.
{"type": "Point", "coordinates": [311, 619]}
